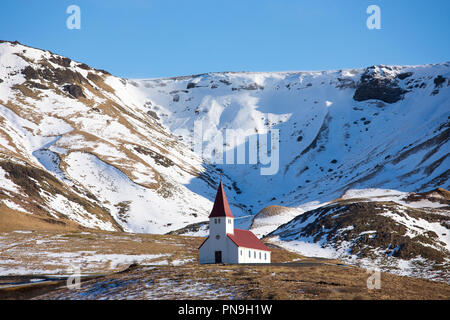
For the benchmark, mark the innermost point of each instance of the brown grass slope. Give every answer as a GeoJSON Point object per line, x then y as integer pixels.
{"type": "Point", "coordinates": [364, 226]}
{"type": "Point", "coordinates": [32, 182]}
{"type": "Point", "coordinates": [291, 276]}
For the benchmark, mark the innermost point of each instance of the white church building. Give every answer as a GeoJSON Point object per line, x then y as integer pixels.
{"type": "Point", "coordinates": [225, 243]}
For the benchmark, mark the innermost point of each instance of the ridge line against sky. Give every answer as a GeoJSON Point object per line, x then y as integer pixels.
{"type": "Point", "coordinates": [159, 39]}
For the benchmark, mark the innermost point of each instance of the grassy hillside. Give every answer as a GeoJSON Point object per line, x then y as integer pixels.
{"type": "Point", "coordinates": [166, 267]}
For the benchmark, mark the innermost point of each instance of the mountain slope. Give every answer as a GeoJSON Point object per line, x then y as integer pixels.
{"type": "Point", "coordinates": [405, 233]}
{"type": "Point", "coordinates": [121, 151]}
{"type": "Point", "coordinates": [381, 127]}
{"type": "Point", "coordinates": [109, 164]}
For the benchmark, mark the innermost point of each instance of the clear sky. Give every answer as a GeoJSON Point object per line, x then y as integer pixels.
{"type": "Point", "coordinates": [159, 38]}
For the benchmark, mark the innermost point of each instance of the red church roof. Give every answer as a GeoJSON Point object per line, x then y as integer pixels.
{"type": "Point", "coordinates": [221, 208]}
{"type": "Point", "coordinates": [246, 238]}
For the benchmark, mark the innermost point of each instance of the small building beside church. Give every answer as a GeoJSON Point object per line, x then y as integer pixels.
{"type": "Point", "coordinates": [227, 244]}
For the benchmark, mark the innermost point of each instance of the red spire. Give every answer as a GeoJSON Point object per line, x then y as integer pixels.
{"type": "Point", "coordinates": [221, 208]}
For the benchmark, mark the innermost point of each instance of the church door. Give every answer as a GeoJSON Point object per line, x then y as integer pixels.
{"type": "Point", "coordinates": [218, 255]}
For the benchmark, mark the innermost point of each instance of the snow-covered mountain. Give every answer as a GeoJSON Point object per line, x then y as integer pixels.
{"type": "Point", "coordinates": [381, 127]}
{"type": "Point", "coordinates": [75, 146]}
{"type": "Point", "coordinates": [79, 144]}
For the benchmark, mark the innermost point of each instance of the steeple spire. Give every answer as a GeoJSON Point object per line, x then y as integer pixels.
{"type": "Point", "coordinates": [221, 208]}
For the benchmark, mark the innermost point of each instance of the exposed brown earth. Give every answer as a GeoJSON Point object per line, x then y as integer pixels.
{"type": "Point", "coordinates": [439, 195]}
{"type": "Point", "coordinates": [32, 182]}
{"type": "Point", "coordinates": [369, 233]}
{"type": "Point", "coordinates": [290, 276]}
{"type": "Point", "coordinates": [300, 281]}
{"type": "Point", "coordinates": [371, 86]}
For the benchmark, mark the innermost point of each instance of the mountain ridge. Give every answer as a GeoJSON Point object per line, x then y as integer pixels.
{"type": "Point", "coordinates": [315, 112]}
{"type": "Point", "coordinates": [81, 149]}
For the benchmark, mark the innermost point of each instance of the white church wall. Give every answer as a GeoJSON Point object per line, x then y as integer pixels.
{"type": "Point", "coordinates": [221, 225]}
{"type": "Point", "coordinates": [249, 255]}
{"type": "Point", "coordinates": [229, 225]}
{"type": "Point", "coordinates": [224, 244]}
{"type": "Point", "coordinates": [231, 253]}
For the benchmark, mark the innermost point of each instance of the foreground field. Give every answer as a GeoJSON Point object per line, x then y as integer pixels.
{"type": "Point", "coordinates": [165, 267]}
{"type": "Point", "coordinates": [297, 281]}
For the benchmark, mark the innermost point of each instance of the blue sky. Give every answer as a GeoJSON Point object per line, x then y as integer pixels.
{"type": "Point", "coordinates": [159, 38]}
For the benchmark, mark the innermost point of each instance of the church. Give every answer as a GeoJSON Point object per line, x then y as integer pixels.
{"type": "Point", "coordinates": [225, 243]}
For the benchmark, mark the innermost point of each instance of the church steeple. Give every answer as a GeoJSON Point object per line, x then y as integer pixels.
{"type": "Point", "coordinates": [221, 208]}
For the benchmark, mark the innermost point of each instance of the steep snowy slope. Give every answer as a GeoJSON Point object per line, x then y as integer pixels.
{"type": "Point", "coordinates": [110, 165]}
{"type": "Point", "coordinates": [381, 127]}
